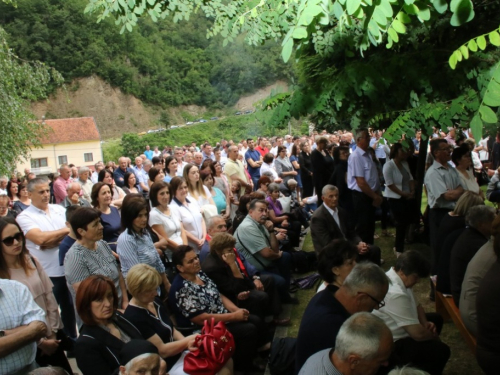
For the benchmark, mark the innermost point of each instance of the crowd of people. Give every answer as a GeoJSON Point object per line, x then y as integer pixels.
{"type": "Point", "coordinates": [144, 252]}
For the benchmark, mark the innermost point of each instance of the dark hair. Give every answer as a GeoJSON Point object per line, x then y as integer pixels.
{"type": "Point", "coordinates": [70, 211]}
{"type": "Point", "coordinates": [412, 262]}
{"type": "Point", "coordinates": [336, 153]}
{"type": "Point", "coordinates": [153, 172]}
{"type": "Point", "coordinates": [126, 176]}
{"type": "Point", "coordinates": [85, 216]}
{"type": "Point", "coordinates": [102, 174]}
{"type": "Point", "coordinates": [174, 185]}
{"type": "Point", "coordinates": [94, 195]}
{"type": "Point", "coordinates": [156, 160]}
{"type": "Point", "coordinates": [279, 149]}
{"type": "Point", "coordinates": [131, 208]}
{"type": "Point", "coordinates": [208, 163]}
{"type": "Point", "coordinates": [254, 202]}
{"type": "Point", "coordinates": [257, 195]}
{"type": "Point", "coordinates": [459, 152]}
{"type": "Point", "coordinates": [23, 256]}
{"type": "Point", "coordinates": [435, 144]}
{"type": "Point", "coordinates": [179, 255]}
{"type": "Point", "coordinates": [9, 185]}
{"type": "Point", "coordinates": [93, 288]}
{"type": "Point", "coordinates": [263, 180]}
{"type": "Point", "coordinates": [204, 175]}
{"type": "Point", "coordinates": [167, 162]}
{"type": "Point", "coordinates": [334, 255]}
{"type": "Point", "coordinates": [268, 158]}
{"type": "Point", "coordinates": [155, 189]}
{"type": "Point", "coordinates": [395, 149]}
{"type": "Point", "coordinates": [221, 241]}
{"type": "Point", "coordinates": [243, 202]}
{"type": "Point", "coordinates": [21, 186]}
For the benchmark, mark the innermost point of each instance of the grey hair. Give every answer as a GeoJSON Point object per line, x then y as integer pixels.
{"type": "Point", "coordinates": [68, 187]}
{"type": "Point", "coordinates": [478, 215]}
{"type": "Point", "coordinates": [361, 335]}
{"type": "Point", "coordinates": [3, 178]}
{"type": "Point", "coordinates": [83, 170]}
{"type": "Point", "coordinates": [48, 371]}
{"type": "Point", "coordinates": [361, 132]}
{"type": "Point", "coordinates": [328, 188]}
{"type": "Point", "coordinates": [130, 363]}
{"type": "Point", "coordinates": [363, 275]}
{"type": "Point", "coordinates": [406, 370]}
{"type": "Point", "coordinates": [36, 181]}
{"type": "Point", "coordinates": [273, 187]}
{"type": "Point", "coordinates": [147, 162]}
{"type": "Point", "coordinates": [211, 220]}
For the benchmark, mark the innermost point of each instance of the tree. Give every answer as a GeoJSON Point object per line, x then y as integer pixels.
{"type": "Point", "coordinates": [20, 82]}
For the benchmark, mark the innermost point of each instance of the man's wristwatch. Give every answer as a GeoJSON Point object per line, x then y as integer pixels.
{"type": "Point", "coordinates": [256, 277]}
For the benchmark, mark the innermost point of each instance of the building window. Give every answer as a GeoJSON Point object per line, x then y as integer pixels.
{"type": "Point", "coordinates": [38, 163]}
{"type": "Point", "coordinates": [88, 157]}
{"type": "Point", "coordinates": [63, 159]}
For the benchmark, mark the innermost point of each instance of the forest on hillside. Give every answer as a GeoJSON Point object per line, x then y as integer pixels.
{"type": "Point", "coordinates": [163, 63]}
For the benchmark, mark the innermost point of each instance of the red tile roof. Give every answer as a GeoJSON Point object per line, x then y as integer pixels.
{"type": "Point", "coordinates": [68, 130]}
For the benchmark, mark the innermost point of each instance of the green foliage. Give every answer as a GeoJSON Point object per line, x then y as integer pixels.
{"type": "Point", "coordinates": [162, 63]}
{"type": "Point", "coordinates": [20, 82]}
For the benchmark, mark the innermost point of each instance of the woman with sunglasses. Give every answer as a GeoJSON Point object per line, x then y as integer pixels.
{"type": "Point", "coordinates": [17, 264]}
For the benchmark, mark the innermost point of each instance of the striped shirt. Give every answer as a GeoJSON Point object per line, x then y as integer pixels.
{"type": "Point", "coordinates": [134, 249]}
{"type": "Point", "coordinates": [17, 308]}
{"type": "Point", "coordinates": [320, 364]}
{"type": "Point", "coordinates": [81, 262]}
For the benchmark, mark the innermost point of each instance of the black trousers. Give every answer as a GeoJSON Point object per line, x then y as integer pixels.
{"type": "Point", "coordinates": [373, 255]}
{"type": "Point", "coordinates": [65, 302]}
{"type": "Point", "coordinates": [430, 355]}
{"type": "Point", "coordinates": [58, 359]}
{"type": "Point", "coordinates": [402, 212]}
{"type": "Point", "coordinates": [365, 212]}
{"type": "Point", "coordinates": [263, 303]}
{"type": "Point", "coordinates": [435, 217]}
{"type": "Point", "coordinates": [488, 361]}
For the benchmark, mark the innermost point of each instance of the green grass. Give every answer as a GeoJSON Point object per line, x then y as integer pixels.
{"type": "Point", "coordinates": [461, 362]}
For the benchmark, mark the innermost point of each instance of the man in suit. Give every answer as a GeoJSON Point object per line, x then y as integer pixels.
{"type": "Point", "coordinates": [329, 222]}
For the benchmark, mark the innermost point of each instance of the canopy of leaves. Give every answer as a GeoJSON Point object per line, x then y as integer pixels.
{"type": "Point", "coordinates": [163, 63]}
{"type": "Point", "coordinates": [20, 83]}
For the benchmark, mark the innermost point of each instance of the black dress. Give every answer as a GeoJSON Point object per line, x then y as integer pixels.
{"type": "Point", "coordinates": [322, 170]}
{"type": "Point", "coordinates": [305, 174]}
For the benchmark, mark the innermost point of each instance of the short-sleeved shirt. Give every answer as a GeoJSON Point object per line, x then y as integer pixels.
{"type": "Point", "coordinates": [171, 225]}
{"type": "Point", "coordinates": [149, 325]}
{"type": "Point", "coordinates": [219, 200]}
{"type": "Point", "coordinates": [400, 308]}
{"type": "Point", "coordinates": [190, 217]}
{"type": "Point", "coordinates": [360, 164]}
{"type": "Point", "coordinates": [134, 249]}
{"type": "Point", "coordinates": [380, 149]}
{"type": "Point", "coordinates": [320, 364]}
{"type": "Point", "coordinates": [112, 227]}
{"type": "Point", "coordinates": [17, 308]}
{"type": "Point", "coordinates": [34, 218]}
{"type": "Point", "coordinates": [438, 181]}
{"type": "Point", "coordinates": [255, 156]}
{"type": "Point", "coordinates": [251, 238]}
{"type": "Point", "coordinates": [81, 263]}
{"type": "Point", "coordinates": [191, 299]}
{"type": "Point", "coordinates": [235, 168]}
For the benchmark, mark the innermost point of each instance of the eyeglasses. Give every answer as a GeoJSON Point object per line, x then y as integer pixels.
{"type": "Point", "coordinates": [8, 241]}
{"type": "Point", "coordinates": [379, 303]}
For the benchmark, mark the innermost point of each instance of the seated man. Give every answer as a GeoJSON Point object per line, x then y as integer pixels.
{"type": "Point", "coordinates": [73, 197]}
{"type": "Point", "coordinates": [329, 222]}
{"type": "Point", "coordinates": [363, 290]}
{"type": "Point", "coordinates": [258, 242]}
{"type": "Point", "coordinates": [22, 324]}
{"type": "Point", "coordinates": [415, 332]}
{"type": "Point", "coordinates": [141, 357]}
{"type": "Point", "coordinates": [371, 349]}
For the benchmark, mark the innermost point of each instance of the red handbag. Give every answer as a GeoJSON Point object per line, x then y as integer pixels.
{"type": "Point", "coordinates": [215, 347]}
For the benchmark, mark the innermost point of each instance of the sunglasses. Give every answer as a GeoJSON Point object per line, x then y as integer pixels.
{"type": "Point", "coordinates": [8, 241]}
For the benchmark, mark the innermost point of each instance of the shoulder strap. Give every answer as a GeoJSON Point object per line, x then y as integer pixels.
{"type": "Point", "coordinates": [248, 251]}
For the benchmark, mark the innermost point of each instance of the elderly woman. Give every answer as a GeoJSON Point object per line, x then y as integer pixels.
{"type": "Point", "coordinates": [171, 166]}
{"type": "Point", "coordinates": [130, 184]}
{"type": "Point", "coordinates": [239, 281]}
{"type": "Point", "coordinates": [267, 166]}
{"type": "Point", "coordinates": [222, 202]}
{"type": "Point", "coordinates": [147, 312]}
{"type": "Point", "coordinates": [188, 212]}
{"type": "Point", "coordinates": [335, 263]}
{"type": "Point", "coordinates": [262, 184]}
{"type": "Point", "coordinates": [117, 193]}
{"type": "Point", "coordinates": [24, 200]}
{"type": "Point", "coordinates": [110, 216]}
{"type": "Point", "coordinates": [17, 264]}
{"type": "Point", "coordinates": [283, 165]}
{"type": "Point", "coordinates": [105, 330]}
{"type": "Point", "coordinates": [462, 159]}
{"type": "Point", "coordinates": [194, 298]}
{"type": "Point", "coordinates": [135, 244]}
{"type": "Point", "coordinates": [161, 219]}
{"type": "Point", "coordinates": [196, 190]}
{"type": "Point", "coordinates": [90, 255]}
{"type": "Point", "coordinates": [322, 164]}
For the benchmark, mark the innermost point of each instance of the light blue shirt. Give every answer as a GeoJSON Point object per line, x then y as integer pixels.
{"type": "Point", "coordinates": [438, 180]}
{"type": "Point", "coordinates": [17, 308]}
{"type": "Point", "coordinates": [319, 364]}
{"type": "Point", "coordinates": [360, 164]}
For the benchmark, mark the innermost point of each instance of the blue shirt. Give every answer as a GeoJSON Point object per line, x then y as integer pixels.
{"type": "Point", "coordinates": [360, 164]}
{"type": "Point", "coordinates": [255, 156]}
{"type": "Point", "coordinates": [64, 246]}
{"type": "Point", "coordinates": [149, 154]}
{"type": "Point", "coordinates": [118, 175]}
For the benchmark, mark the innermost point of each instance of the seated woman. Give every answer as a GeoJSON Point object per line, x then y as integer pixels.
{"type": "Point", "coordinates": [117, 193]}
{"type": "Point", "coordinates": [335, 263]}
{"type": "Point", "coordinates": [130, 183]}
{"type": "Point", "coordinates": [257, 293]}
{"type": "Point", "coordinates": [196, 190]}
{"type": "Point", "coordinates": [150, 316]}
{"type": "Point", "coordinates": [222, 202]}
{"type": "Point", "coordinates": [281, 219]}
{"type": "Point", "coordinates": [171, 166]}
{"type": "Point", "coordinates": [194, 298]}
{"type": "Point", "coordinates": [242, 211]}
{"type": "Point", "coordinates": [155, 175]}
{"type": "Point", "coordinates": [263, 183]}
{"type": "Point", "coordinates": [105, 330]}
{"type": "Point", "coordinates": [90, 255]}
{"type": "Point", "coordinates": [135, 244]}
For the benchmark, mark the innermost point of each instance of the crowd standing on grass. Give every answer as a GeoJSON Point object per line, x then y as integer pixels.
{"type": "Point", "coordinates": [143, 252]}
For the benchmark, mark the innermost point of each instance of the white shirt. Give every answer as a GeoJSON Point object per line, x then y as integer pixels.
{"type": "Point", "coordinates": [190, 217]}
{"type": "Point", "coordinates": [266, 168]}
{"type": "Point", "coordinates": [334, 213]}
{"type": "Point", "coordinates": [34, 218]}
{"type": "Point", "coordinates": [400, 308]}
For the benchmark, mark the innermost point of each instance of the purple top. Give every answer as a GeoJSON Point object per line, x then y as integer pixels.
{"type": "Point", "coordinates": [277, 207]}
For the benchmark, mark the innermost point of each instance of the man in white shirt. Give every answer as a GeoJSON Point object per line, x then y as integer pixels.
{"type": "Point", "coordinates": [141, 174]}
{"type": "Point", "coordinates": [44, 226]}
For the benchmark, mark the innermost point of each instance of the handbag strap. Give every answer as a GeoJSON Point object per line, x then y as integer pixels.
{"type": "Point", "coordinates": [248, 251]}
